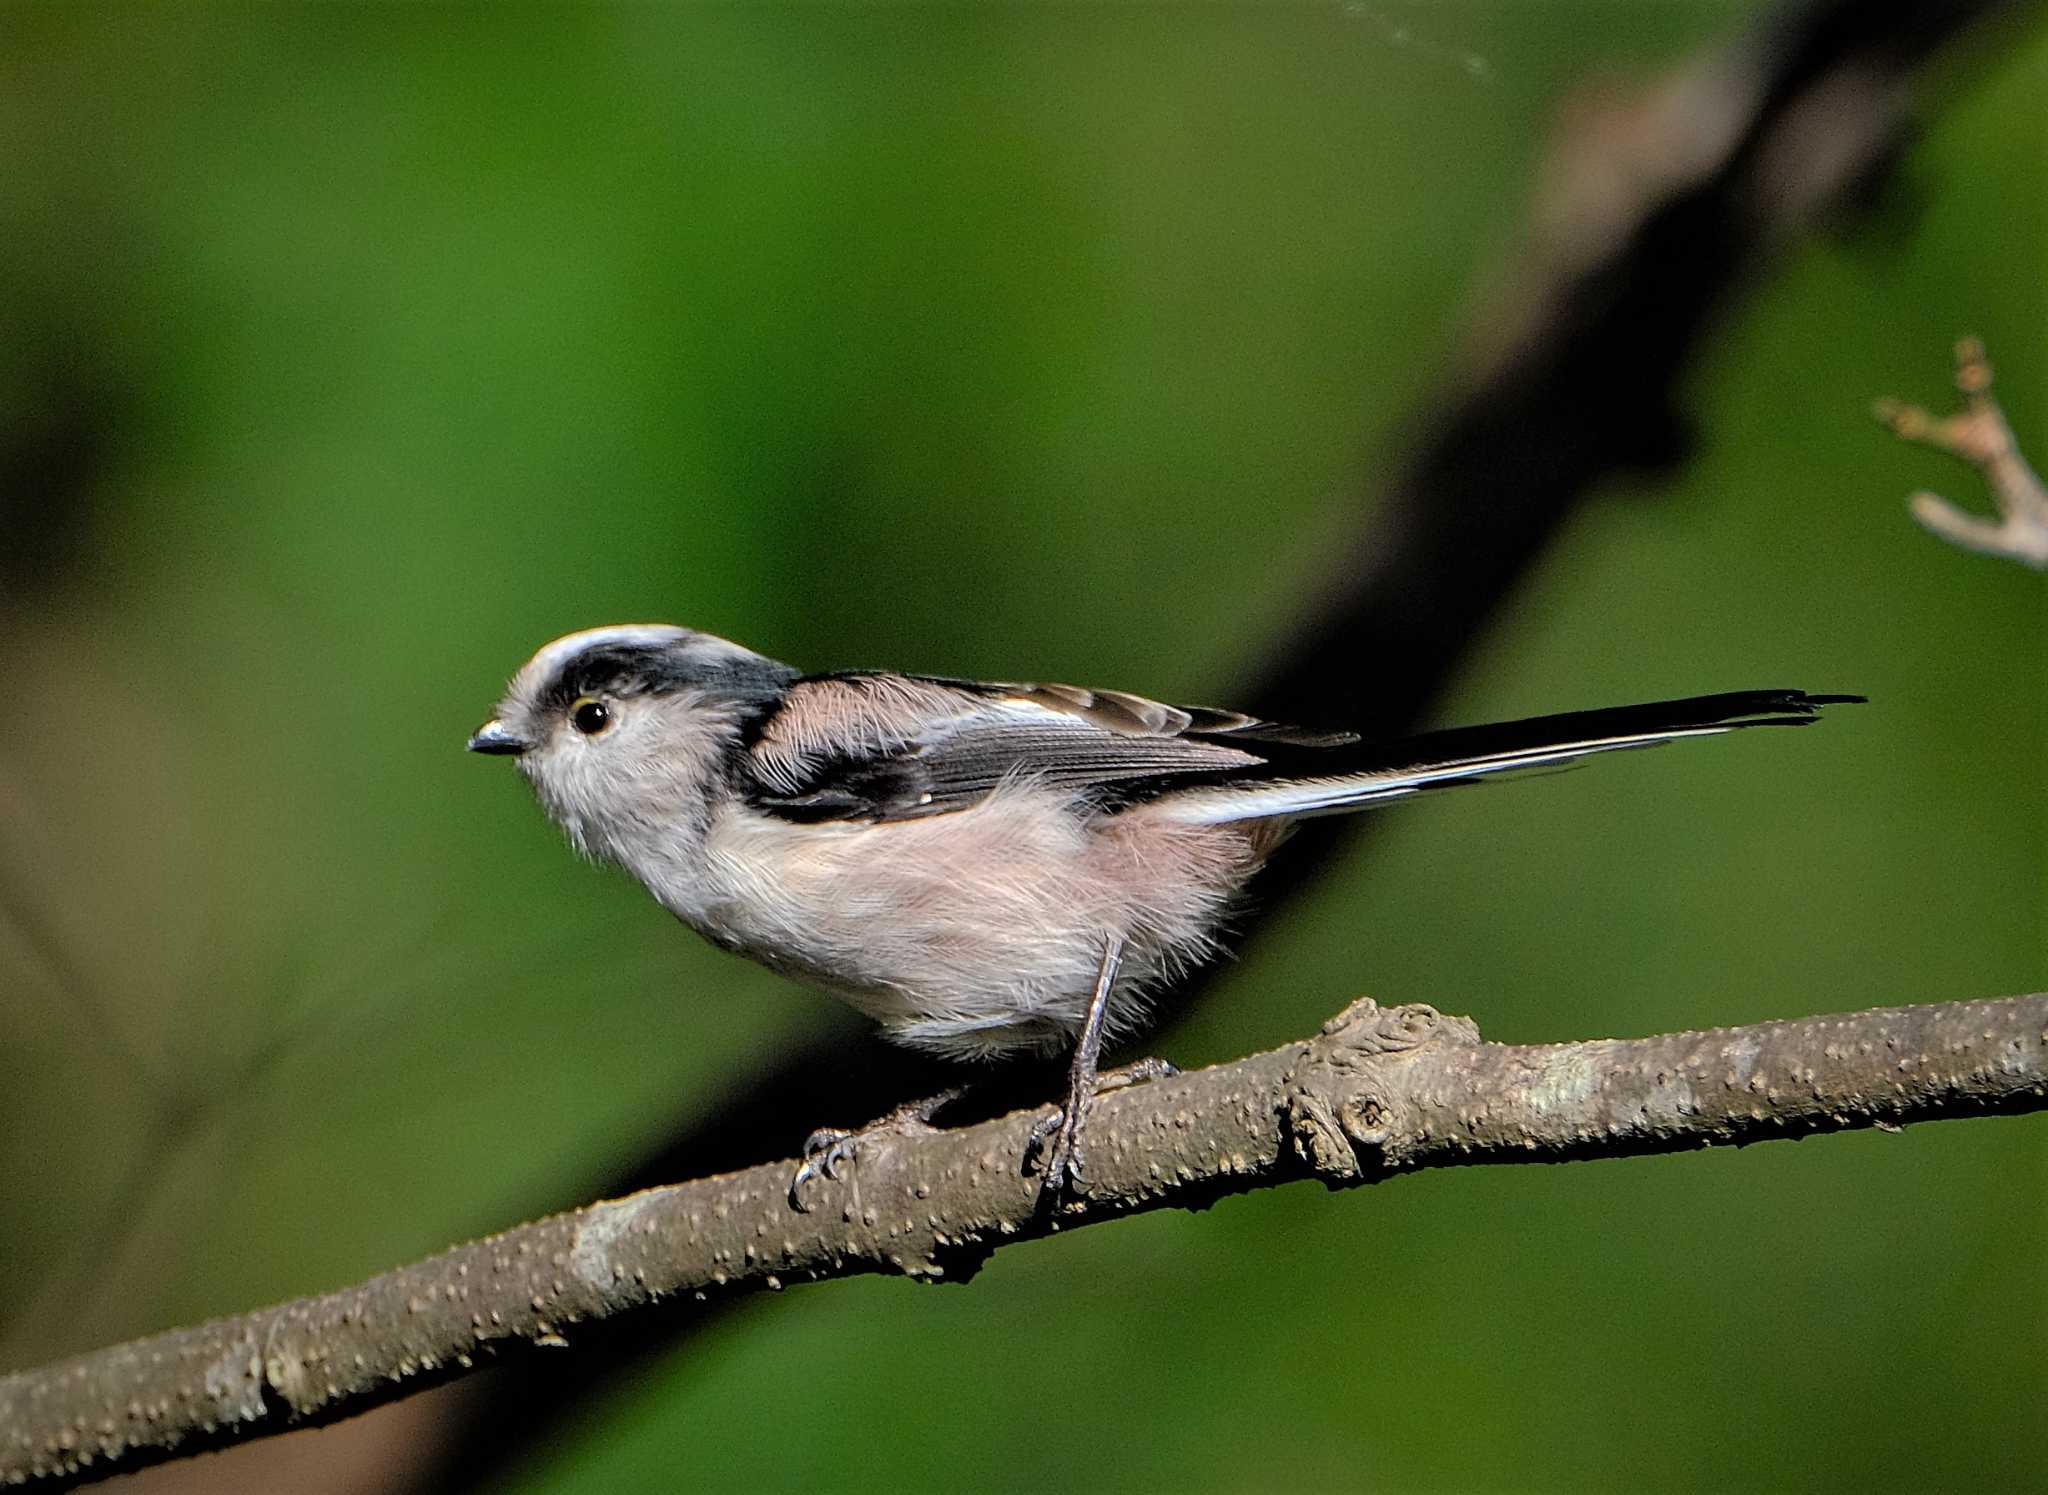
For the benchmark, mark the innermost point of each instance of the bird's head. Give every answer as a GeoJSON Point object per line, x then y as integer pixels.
{"type": "Point", "coordinates": [624, 728]}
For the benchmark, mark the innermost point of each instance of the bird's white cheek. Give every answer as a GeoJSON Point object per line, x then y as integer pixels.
{"type": "Point", "coordinates": [569, 800]}
{"type": "Point", "coordinates": [619, 807]}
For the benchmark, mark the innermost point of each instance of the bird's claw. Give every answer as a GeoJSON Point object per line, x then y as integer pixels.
{"type": "Point", "coordinates": [1055, 1144]}
{"type": "Point", "coordinates": [1053, 1150]}
{"type": "Point", "coordinates": [828, 1150]}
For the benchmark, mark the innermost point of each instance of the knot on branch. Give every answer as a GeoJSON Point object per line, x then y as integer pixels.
{"type": "Point", "coordinates": [1365, 1028]}
{"type": "Point", "coordinates": [1343, 1108]}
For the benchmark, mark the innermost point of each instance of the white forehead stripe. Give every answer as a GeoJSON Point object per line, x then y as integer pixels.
{"type": "Point", "coordinates": [552, 655]}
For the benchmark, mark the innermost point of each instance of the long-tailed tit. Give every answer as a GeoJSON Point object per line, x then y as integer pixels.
{"type": "Point", "coordinates": [980, 868]}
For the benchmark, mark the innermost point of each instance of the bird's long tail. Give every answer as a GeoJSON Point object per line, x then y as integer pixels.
{"type": "Point", "coordinates": [1334, 780]}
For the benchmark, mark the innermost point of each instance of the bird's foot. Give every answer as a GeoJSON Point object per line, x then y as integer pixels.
{"type": "Point", "coordinates": [828, 1150]}
{"type": "Point", "coordinates": [1055, 1142]}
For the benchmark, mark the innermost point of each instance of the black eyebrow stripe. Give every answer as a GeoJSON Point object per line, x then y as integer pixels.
{"type": "Point", "coordinates": [624, 669]}
{"type": "Point", "coordinates": [631, 669]}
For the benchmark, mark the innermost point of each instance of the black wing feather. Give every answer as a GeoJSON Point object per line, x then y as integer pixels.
{"type": "Point", "coordinates": [968, 761]}
{"type": "Point", "coordinates": [1118, 750]}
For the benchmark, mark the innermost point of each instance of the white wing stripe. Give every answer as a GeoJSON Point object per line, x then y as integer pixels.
{"type": "Point", "coordinates": [1317, 796]}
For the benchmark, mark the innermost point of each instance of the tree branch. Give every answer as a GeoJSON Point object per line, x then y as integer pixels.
{"type": "Point", "coordinates": [1379, 1091]}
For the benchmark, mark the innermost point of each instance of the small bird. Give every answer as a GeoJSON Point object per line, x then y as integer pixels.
{"type": "Point", "coordinates": [984, 869]}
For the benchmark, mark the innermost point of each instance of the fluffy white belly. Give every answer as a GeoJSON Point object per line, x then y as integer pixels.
{"type": "Point", "coordinates": [977, 932]}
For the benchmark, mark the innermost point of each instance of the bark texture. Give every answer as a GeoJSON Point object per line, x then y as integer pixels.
{"type": "Point", "coordinates": [1379, 1091]}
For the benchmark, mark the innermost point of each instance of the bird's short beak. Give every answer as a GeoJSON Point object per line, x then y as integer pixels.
{"type": "Point", "coordinates": [492, 737]}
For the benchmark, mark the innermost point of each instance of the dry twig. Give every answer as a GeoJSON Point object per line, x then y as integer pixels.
{"type": "Point", "coordinates": [1980, 436]}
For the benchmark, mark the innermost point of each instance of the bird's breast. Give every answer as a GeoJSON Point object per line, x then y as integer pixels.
{"type": "Point", "coordinates": [976, 930]}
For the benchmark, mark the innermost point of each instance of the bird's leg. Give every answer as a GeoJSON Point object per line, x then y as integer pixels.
{"type": "Point", "coordinates": [1107, 1081]}
{"type": "Point", "coordinates": [827, 1150]}
{"type": "Point", "coordinates": [1064, 1162]}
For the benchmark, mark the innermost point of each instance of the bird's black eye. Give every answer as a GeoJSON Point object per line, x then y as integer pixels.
{"type": "Point", "coordinates": [589, 716]}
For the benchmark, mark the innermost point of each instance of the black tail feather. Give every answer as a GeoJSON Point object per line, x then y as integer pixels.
{"type": "Point", "coordinates": [1730, 709]}
{"type": "Point", "coordinates": [1296, 782]}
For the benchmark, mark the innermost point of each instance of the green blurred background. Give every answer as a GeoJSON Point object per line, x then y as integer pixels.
{"type": "Point", "coordinates": [1041, 343]}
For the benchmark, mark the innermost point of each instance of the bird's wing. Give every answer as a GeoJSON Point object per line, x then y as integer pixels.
{"type": "Point", "coordinates": [887, 747]}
